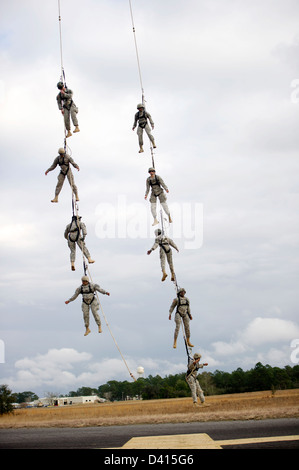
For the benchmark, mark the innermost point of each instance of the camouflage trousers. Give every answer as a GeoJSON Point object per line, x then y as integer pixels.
{"type": "Point", "coordinates": [186, 323]}
{"type": "Point", "coordinates": [72, 247]}
{"type": "Point", "coordinates": [153, 201]}
{"type": "Point", "coordinates": [94, 307]}
{"type": "Point", "coordinates": [68, 114]}
{"type": "Point", "coordinates": [163, 257]}
{"type": "Point", "coordinates": [60, 181]}
{"type": "Point", "coordinates": [140, 134]}
{"type": "Point", "coordinates": [196, 389]}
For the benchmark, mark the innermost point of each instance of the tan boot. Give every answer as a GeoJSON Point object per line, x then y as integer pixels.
{"type": "Point", "coordinates": [73, 266]}
{"type": "Point", "coordinates": [164, 276]}
{"type": "Point", "coordinates": [174, 344]}
{"type": "Point", "coordinates": [76, 129]}
{"type": "Point", "coordinates": [87, 331]}
{"type": "Point", "coordinates": [90, 260]}
{"type": "Point", "coordinates": [155, 222]}
{"type": "Point", "coordinates": [170, 219]}
{"type": "Point", "coordinates": [172, 277]}
{"type": "Point", "coordinates": [141, 150]}
{"type": "Point", "coordinates": [69, 134]}
{"type": "Point", "coordinates": [77, 198]}
{"type": "Point", "coordinates": [55, 199]}
{"type": "Point", "coordinates": [154, 145]}
{"type": "Point", "coordinates": [100, 329]}
{"type": "Point", "coordinates": [189, 344]}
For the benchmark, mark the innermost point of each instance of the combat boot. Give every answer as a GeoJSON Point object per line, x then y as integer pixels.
{"type": "Point", "coordinates": [90, 260]}
{"type": "Point", "coordinates": [172, 276]}
{"type": "Point", "coordinates": [155, 222]}
{"type": "Point", "coordinates": [164, 276]}
{"type": "Point", "coordinates": [154, 145]}
{"type": "Point", "coordinates": [87, 331]}
{"type": "Point", "coordinates": [73, 266]}
{"type": "Point", "coordinates": [141, 150]}
{"type": "Point", "coordinates": [100, 329]}
{"type": "Point", "coordinates": [69, 134]}
{"type": "Point", "coordinates": [55, 199]}
{"type": "Point", "coordinates": [174, 344]}
{"type": "Point", "coordinates": [76, 129]}
{"type": "Point", "coordinates": [189, 344]}
{"type": "Point", "coordinates": [170, 219]}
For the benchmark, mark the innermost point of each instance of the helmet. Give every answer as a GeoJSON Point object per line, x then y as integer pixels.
{"type": "Point", "coordinates": [84, 278]}
{"type": "Point", "coordinates": [61, 150]}
{"type": "Point", "coordinates": [151, 169]}
{"type": "Point", "coordinates": [158, 232]}
{"type": "Point", "coordinates": [60, 85]}
{"type": "Point", "coordinates": [197, 356]}
{"type": "Point", "coordinates": [181, 290]}
{"type": "Point", "coordinates": [140, 105]}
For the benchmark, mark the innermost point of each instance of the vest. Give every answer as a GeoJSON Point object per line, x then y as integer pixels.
{"type": "Point", "coordinates": [90, 291]}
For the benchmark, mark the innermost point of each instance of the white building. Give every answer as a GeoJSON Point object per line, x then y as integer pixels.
{"type": "Point", "coordinates": [61, 401]}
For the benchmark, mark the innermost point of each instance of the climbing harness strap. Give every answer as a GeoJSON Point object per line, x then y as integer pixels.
{"type": "Point", "coordinates": [90, 291]}
{"type": "Point", "coordinates": [63, 163]}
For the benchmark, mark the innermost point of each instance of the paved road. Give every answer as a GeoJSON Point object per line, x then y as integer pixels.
{"type": "Point", "coordinates": [116, 436]}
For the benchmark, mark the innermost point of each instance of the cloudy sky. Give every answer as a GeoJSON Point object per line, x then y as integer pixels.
{"type": "Point", "coordinates": [221, 81]}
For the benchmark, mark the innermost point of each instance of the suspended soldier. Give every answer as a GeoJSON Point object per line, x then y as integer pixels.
{"type": "Point", "coordinates": [165, 252]}
{"type": "Point", "coordinates": [142, 118]}
{"type": "Point", "coordinates": [64, 160]}
{"type": "Point", "coordinates": [67, 108]}
{"type": "Point", "coordinates": [89, 301]}
{"type": "Point", "coordinates": [183, 312]}
{"type": "Point", "coordinates": [191, 378]}
{"type": "Point", "coordinates": [156, 184]}
{"type": "Point", "coordinates": [75, 233]}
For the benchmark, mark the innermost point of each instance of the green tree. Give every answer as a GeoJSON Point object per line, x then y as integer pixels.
{"type": "Point", "coordinates": [6, 400]}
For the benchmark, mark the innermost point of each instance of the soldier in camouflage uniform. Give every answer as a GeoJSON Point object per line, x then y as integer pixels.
{"type": "Point", "coordinates": [157, 184]}
{"type": "Point", "coordinates": [75, 232]}
{"type": "Point", "coordinates": [89, 301]}
{"type": "Point", "coordinates": [67, 107]}
{"type": "Point", "coordinates": [191, 378]}
{"type": "Point", "coordinates": [64, 160]}
{"type": "Point", "coordinates": [141, 117]}
{"type": "Point", "coordinates": [165, 252]}
{"type": "Point", "coordinates": [183, 312]}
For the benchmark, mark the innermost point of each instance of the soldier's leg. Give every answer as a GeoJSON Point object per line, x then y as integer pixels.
{"type": "Point", "coordinates": [72, 247]}
{"type": "Point", "coordinates": [199, 392]}
{"type": "Point", "coordinates": [191, 383]}
{"type": "Point", "coordinates": [86, 253]}
{"type": "Point", "coordinates": [140, 138]}
{"type": "Point", "coordinates": [162, 261]}
{"type": "Point", "coordinates": [85, 310]}
{"type": "Point", "coordinates": [153, 201]}
{"type": "Point", "coordinates": [170, 263]}
{"type": "Point", "coordinates": [74, 116]}
{"type": "Point", "coordinates": [186, 322]}
{"type": "Point", "coordinates": [67, 121]}
{"type": "Point", "coordinates": [177, 320]}
{"type": "Point", "coordinates": [60, 181]}
{"type": "Point", "coordinates": [96, 316]}
{"type": "Point", "coordinates": [150, 136]}
{"type": "Point", "coordinates": [71, 180]}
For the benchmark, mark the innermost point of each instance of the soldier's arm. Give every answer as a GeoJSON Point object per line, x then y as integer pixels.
{"type": "Point", "coordinates": [172, 306]}
{"type": "Point", "coordinates": [77, 292]}
{"type": "Point", "coordinates": [73, 163]}
{"type": "Point", "coordinates": [53, 166]}
{"type": "Point", "coordinates": [99, 289]}
{"type": "Point", "coordinates": [147, 188]}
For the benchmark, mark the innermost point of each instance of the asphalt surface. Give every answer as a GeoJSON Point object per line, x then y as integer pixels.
{"type": "Point", "coordinates": [107, 437]}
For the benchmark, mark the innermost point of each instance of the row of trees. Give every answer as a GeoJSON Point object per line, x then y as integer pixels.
{"type": "Point", "coordinates": [172, 386]}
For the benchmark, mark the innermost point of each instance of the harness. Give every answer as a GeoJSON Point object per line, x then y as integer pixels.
{"type": "Point", "coordinates": [191, 370]}
{"type": "Point", "coordinates": [143, 116]}
{"type": "Point", "coordinates": [156, 182]}
{"type": "Point", "coordinates": [90, 291]}
{"type": "Point", "coordinates": [74, 229]}
{"type": "Point", "coordinates": [66, 105]}
{"type": "Point", "coordinates": [163, 243]}
{"type": "Point", "coordinates": [63, 163]}
{"type": "Point", "coordinates": [182, 304]}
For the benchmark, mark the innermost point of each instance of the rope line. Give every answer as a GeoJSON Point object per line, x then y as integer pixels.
{"type": "Point", "coordinates": [62, 77]}
{"type": "Point", "coordinates": [137, 55]}
{"type": "Point", "coordinates": [87, 272]}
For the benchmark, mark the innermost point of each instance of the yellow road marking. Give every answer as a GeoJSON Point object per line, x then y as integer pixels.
{"type": "Point", "coordinates": [179, 441]}
{"type": "Point", "coordinates": [257, 440]}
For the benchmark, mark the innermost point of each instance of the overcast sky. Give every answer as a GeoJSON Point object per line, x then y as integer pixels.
{"type": "Point", "coordinates": [219, 78]}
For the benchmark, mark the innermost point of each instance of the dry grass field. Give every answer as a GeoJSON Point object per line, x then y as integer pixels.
{"type": "Point", "coordinates": [243, 406]}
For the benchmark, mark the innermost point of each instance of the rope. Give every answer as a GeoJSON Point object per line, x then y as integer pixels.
{"type": "Point", "coordinates": [62, 77]}
{"type": "Point", "coordinates": [111, 331]}
{"type": "Point", "coordinates": [137, 55]}
{"type": "Point", "coordinates": [86, 272]}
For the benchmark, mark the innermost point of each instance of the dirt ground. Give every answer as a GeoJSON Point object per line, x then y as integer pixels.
{"type": "Point", "coordinates": [243, 406]}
